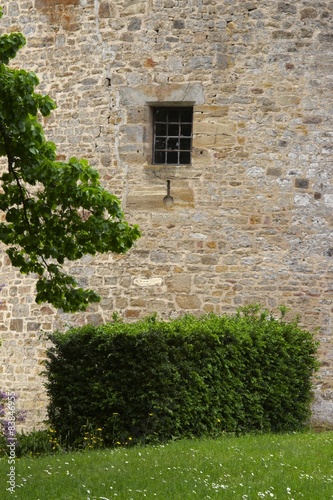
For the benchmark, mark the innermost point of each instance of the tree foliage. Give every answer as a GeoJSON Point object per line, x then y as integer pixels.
{"type": "Point", "coordinates": [54, 210]}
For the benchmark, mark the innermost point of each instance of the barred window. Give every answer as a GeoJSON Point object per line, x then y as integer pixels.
{"type": "Point", "coordinates": [172, 141]}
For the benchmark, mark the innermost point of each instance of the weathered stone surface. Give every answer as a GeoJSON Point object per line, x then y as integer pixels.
{"type": "Point", "coordinates": [179, 283]}
{"type": "Point", "coordinates": [143, 282]}
{"type": "Point", "coordinates": [287, 8]}
{"type": "Point", "coordinates": [40, 4]}
{"type": "Point", "coordinates": [309, 12]}
{"type": "Point", "coordinates": [165, 93]}
{"type": "Point", "coordinates": [188, 302]}
{"type": "Point", "coordinates": [252, 215]}
{"type": "Point", "coordinates": [16, 325]}
{"type": "Point", "coordinates": [302, 183]}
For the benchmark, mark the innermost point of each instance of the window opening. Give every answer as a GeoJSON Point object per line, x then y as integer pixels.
{"type": "Point", "coordinates": [172, 144]}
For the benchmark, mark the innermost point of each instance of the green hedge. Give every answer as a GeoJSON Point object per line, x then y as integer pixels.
{"type": "Point", "coordinates": [153, 380]}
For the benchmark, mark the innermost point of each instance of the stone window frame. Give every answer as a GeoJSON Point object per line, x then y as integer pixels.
{"type": "Point", "coordinates": [144, 98]}
{"type": "Point", "coordinates": [149, 183]}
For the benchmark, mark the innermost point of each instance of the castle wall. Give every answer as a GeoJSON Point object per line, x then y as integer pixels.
{"type": "Point", "coordinates": [252, 215]}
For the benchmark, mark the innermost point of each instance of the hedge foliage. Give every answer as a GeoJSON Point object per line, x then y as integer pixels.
{"type": "Point", "coordinates": [153, 380]}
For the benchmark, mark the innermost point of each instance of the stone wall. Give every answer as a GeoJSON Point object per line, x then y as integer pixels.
{"type": "Point", "coordinates": [252, 215]}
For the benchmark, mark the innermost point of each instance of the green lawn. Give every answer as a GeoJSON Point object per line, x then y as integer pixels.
{"type": "Point", "coordinates": [291, 466]}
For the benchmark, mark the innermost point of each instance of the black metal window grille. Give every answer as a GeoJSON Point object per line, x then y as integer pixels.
{"type": "Point", "coordinates": [172, 144]}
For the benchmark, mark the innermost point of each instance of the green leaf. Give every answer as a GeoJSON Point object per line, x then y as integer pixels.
{"type": "Point", "coordinates": [70, 214]}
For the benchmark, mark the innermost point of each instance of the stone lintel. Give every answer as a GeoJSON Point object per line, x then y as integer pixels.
{"type": "Point", "coordinates": [170, 94]}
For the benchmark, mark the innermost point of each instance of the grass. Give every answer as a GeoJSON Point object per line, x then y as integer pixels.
{"type": "Point", "coordinates": [288, 466]}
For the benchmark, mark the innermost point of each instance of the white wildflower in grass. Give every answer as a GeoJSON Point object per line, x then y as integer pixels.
{"type": "Point", "coordinates": [218, 486]}
{"type": "Point", "coordinates": [266, 493]}
{"type": "Point", "coordinates": [198, 477]}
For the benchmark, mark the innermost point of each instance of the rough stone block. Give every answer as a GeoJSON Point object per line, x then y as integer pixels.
{"type": "Point", "coordinates": [223, 141]}
{"type": "Point", "coordinates": [179, 283]}
{"type": "Point", "coordinates": [274, 171]}
{"type": "Point", "coordinates": [280, 34]}
{"type": "Point", "coordinates": [287, 8]}
{"type": "Point", "coordinates": [16, 325]}
{"type": "Point", "coordinates": [289, 100]}
{"type": "Point", "coordinates": [309, 13]}
{"type": "Point", "coordinates": [188, 301]}
{"type": "Point", "coordinates": [42, 4]}
{"type": "Point", "coordinates": [178, 24]}
{"type": "Point", "coordinates": [138, 302]}
{"type": "Point", "coordinates": [203, 112]}
{"type": "Point", "coordinates": [210, 259]}
{"type": "Point", "coordinates": [302, 183]}
{"type": "Point", "coordinates": [203, 141]}
{"type": "Point", "coordinates": [205, 128]}
{"type": "Point", "coordinates": [21, 310]}
{"type": "Point", "coordinates": [132, 313]}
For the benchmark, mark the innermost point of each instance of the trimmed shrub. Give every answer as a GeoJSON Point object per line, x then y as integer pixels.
{"type": "Point", "coordinates": [153, 380]}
